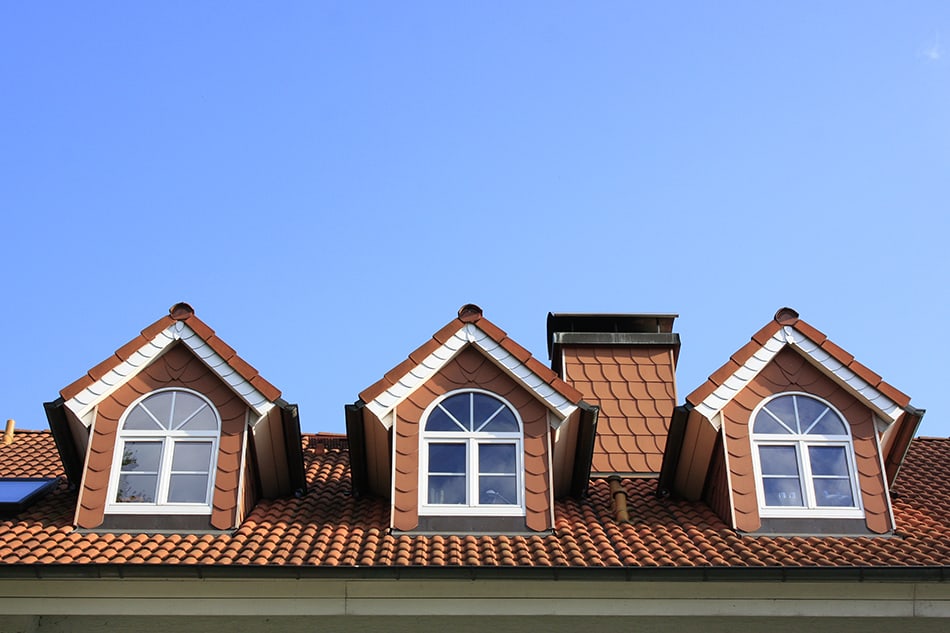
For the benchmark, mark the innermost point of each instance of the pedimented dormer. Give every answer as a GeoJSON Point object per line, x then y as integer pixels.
{"type": "Point", "coordinates": [175, 431]}
{"type": "Point", "coordinates": [792, 435]}
{"type": "Point", "coordinates": [470, 434]}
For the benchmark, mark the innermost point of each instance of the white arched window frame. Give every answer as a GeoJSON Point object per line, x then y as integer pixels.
{"type": "Point", "coordinates": [803, 457]}
{"type": "Point", "coordinates": [471, 457]}
{"type": "Point", "coordinates": [165, 455]}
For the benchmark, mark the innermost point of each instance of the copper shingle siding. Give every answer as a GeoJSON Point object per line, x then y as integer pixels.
{"type": "Point", "coordinates": [789, 371]}
{"type": "Point", "coordinates": [178, 367]}
{"type": "Point", "coordinates": [635, 390]}
{"type": "Point", "coordinates": [328, 527]}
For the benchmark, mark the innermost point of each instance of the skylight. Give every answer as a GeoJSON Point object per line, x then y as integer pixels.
{"type": "Point", "coordinates": [19, 493]}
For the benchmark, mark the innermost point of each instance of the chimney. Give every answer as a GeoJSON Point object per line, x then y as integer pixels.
{"type": "Point", "coordinates": [625, 364]}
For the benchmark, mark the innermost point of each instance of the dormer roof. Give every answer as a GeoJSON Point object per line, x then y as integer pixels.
{"type": "Point", "coordinates": [181, 325]}
{"type": "Point", "coordinates": [470, 328]}
{"type": "Point", "coordinates": [786, 329]}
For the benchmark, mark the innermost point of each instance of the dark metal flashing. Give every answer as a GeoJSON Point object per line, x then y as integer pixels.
{"type": "Point", "coordinates": [63, 437]}
{"type": "Point", "coordinates": [152, 522]}
{"type": "Point", "coordinates": [674, 446]}
{"type": "Point", "coordinates": [615, 338]}
{"type": "Point", "coordinates": [293, 443]}
{"type": "Point", "coordinates": [584, 451]}
{"type": "Point", "coordinates": [616, 574]}
{"type": "Point", "coordinates": [607, 323]}
{"type": "Point", "coordinates": [894, 460]}
{"type": "Point", "coordinates": [356, 439]}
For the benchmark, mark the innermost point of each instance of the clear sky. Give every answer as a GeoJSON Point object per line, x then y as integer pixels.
{"type": "Point", "coordinates": [327, 182]}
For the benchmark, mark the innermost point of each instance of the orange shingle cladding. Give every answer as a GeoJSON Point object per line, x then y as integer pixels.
{"type": "Point", "coordinates": [789, 371]}
{"type": "Point", "coordinates": [178, 367]}
{"type": "Point", "coordinates": [328, 527]}
{"type": "Point", "coordinates": [470, 368]}
{"type": "Point", "coordinates": [635, 390]}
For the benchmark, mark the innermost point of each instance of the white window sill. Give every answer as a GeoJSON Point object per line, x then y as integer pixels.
{"type": "Point", "coordinates": [151, 508]}
{"type": "Point", "coordinates": [460, 510]}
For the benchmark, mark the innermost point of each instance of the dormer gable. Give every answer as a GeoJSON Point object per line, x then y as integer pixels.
{"type": "Point", "coordinates": [430, 436]}
{"type": "Point", "coordinates": [791, 434]}
{"type": "Point", "coordinates": [175, 431]}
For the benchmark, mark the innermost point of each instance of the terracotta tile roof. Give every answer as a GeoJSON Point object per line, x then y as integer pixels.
{"type": "Point", "coordinates": [178, 312]}
{"type": "Point", "coordinates": [329, 528]}
{"type": "Point", "coordinates": [470, 314]}
{"type": "Point", "coordinates": [787, 316]}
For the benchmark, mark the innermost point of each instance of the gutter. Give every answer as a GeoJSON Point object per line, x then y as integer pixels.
{"type": "Point", "coordinates": [608, 574]}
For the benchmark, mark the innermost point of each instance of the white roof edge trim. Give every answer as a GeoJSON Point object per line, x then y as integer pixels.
{"type": "Point", "coordinates": [385, 402]}
{"type": "Point", "coordinates": [831, 367]}
{"type": "Point", "coordinates": [84, 401]}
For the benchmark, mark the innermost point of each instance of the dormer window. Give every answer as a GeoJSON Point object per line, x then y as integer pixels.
{"type": "Point", "coordinates": [804, 460]}
{"type": "Point", "coordinates": [471, 456]}
{"type": "Point", "coordinates": [165, 455]}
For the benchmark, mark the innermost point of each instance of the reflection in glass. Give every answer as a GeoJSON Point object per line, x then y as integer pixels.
{"type": "Point", "coordinates": [497, 458]}
{"type": "Point", "coordinates": [496, 489]}
{"type": "Point", "coordinates": [141, 456]}
{"type": "Point", "coordinates": [135, 488]}
{"type": "Point", "coordinates": [834, 493]}
{"type": "Point", "coordinates": [828, 460]}
{"type": "Point", "coordinates": [447, 489]}
{"type": "Point", "coordinates": [782, 492]}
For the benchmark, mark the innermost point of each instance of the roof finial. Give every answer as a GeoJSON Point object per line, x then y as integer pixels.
{"type": "Point", "coordinates": [470, 312]}
{"type": "Point", "coordinates": [786, 316]}
{"type": "Point", "coordinates": [181, 311]}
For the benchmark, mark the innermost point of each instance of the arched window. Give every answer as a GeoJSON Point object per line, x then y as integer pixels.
{"type": "Point", "coordinates": [803, 458]}
{"type": "Point", "coordinates": [165, 454]}
{"type": "Point", "coordinates": [471, 456]}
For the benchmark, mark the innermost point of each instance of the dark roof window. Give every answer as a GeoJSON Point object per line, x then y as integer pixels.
{"type": "Point", "coordinates": [19, 493]}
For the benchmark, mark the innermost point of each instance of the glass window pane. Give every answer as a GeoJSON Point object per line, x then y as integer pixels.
{"type": "Point", "coordinates": [447, 458]}
{"type": "Point", "coordinates": [782, 492]}
{"type": "Point", "coordinates": [834, 493]}
{"type": "Point", "coordinates": [141, 456]}
{"type": "Point", "coordinates": [136, 488]}
{"type": "Point", "coordinates": [809, 410]}
{"type": "Point", "coordinates": [160, 405]}
{"type": "Point", "coordinates": [201, 420]}
{"type": "Point", "coordinates": [485, 406]}
{"type": "Point", "coordinates": [828, 460]}
{"type": "Point", "coordinates": [829, 424]}
{"type": "Point", "coordinates": [185, 404]}
{"type": "Point", "coordinates": [784, 409]}
{"type": "Point", "coordinates": [447, 489]}
{"type": "Point", "coordinates": [497, 458]}
{"type": "Point", "coordinates": [778, 460]}
{"type": "Point", "coordinates": [504, 422]}
{"type": "Point", "coordinates": [139, 420]}
{"type": "Point", "coordinates": [188, 489]}
{"type": "Point", "coordinates": [192, 456]}
{"type": "Point", "coordinates": [460, 407]}
{"type": "Point", "coordinates": [439, 420]}
{"type": "Point", "coordinates": [765, 423]}
{"type": "Point", "coordinates": [496, 489]}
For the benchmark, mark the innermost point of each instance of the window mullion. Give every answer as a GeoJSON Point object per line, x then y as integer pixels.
{"type": "Point", "coordinates": [808, 483]}
{"type": "Point", "coordinates": [164, 470]}
{"type": "Point", "coordinates": [472, 472]}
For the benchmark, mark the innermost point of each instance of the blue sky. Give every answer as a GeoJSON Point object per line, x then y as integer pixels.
{"type": "Point", "coordinates": [327, 182]}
